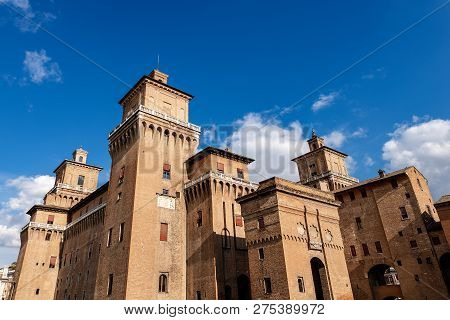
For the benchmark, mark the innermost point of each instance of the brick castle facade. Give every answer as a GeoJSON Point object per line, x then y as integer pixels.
{"type": "Point", "coordinates": [173, 223]}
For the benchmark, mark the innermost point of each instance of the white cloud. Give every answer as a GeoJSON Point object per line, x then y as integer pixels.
{"type": "Point", "coordinates": [324, 100]}
{"type": "Point", "coordinates": [27, 192]}
{"type": "Point", "coordinates": [27, 19]}
{"type": "Point", "coordinates": [335, 139]}
{"type": "Point", "coordinates": [368, 161]}
{"type": "Point", "coordinates": [40, 67]}
{"type": "Point", "coordinates": [271, 145]}
{"type": "Point", "coordinates": [359, 133]}
{"type": "Point", "coordinates": [425, 145]}
{"type": "Point", "coordinates": [351, 164]}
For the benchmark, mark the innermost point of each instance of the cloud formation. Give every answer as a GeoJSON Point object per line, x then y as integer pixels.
{"type": "Point", "coordinates": [27, 19]}
{"type": "Point", "coordinates": [27, 191]}
{"type": "Point", "coordinates": [425, 145]}
{"type": "Point", "coordinates": [335, 139]}
{"type": "Point", "coordinates": [40, 68]}
{"type": "Point", "coordinates": [324, 101]}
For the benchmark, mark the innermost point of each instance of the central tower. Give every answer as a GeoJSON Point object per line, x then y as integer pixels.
{"type": "Point", "coordinates": [144, 256]}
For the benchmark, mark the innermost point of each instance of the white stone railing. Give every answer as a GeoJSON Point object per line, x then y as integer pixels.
{"type": "Point", "coordinates": [329, 173]}
{"type": "Point", "coordinates": [45, 226]}
{"type": "Point", "coordinates": [71, 187]}
{"type": "Point", "coordinates": [223, 177]}
{"type": "Point", "coordinates": [160, 115]}
{"type": "Point", "coordinates": [84, 216]}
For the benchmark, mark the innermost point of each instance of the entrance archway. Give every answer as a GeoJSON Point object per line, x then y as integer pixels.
{"type": "Point", "coordinates": [444, 265]}
{"type": "Point", "coordinates": [243, 284]}
{"type": "Point", "coordinates": [320, 279]}
{"type": "Point", "coordinates": [384, 282]}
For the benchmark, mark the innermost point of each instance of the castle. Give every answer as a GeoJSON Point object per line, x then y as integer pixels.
{"type": "Point", "coordinates": [173, 223]}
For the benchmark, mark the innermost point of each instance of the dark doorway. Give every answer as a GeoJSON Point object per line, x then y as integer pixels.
{"type": "Point", "coordinates": [384, 282]}
{"type": "Point", "coordinates": [320, 279]}
{"type": "Point", "coordinates": [243, 287]}
{"type": "Point", "coordinates": [444, 265]}
{"type": "Point", "coordinates": [227, 292]}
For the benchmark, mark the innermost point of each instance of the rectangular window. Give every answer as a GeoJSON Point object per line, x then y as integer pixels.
{"type": "Point", "coordinates": [199, 218]}
{"type": "Point", "coordinates": [394, 183]}
{"type": "Point", "coordinates": [121, 175]}
{"type": "Point", "coordinates": [52, 263]}
{"type": "Point", "coordinates": [121, 231]}
{"type": "Point", "coordinates": [407, 195]}
{"type": "Point", "coordinates": [419, 260]}
{"type": "Point", "coordinates": [399, 263]}
{"type": "Point", "coordinates": [404, 213]}
{"type": "Point", "coordinates": [261, 224]}
{"type": "Point", "coordinates": [413, 243]}
{"type": "Point", "coordinates": [110, 284]}
{"type": "Point", "coordinates": [48, 236]}
{"type": "Point", "coordinates": [267, 286]}
{"type": "Point", "coordinates": [220, 167]}
{"type": "Point", "coordinates": [428, 260]}
{"type": "Point", "coordinates": [199, 295]}
{"type": "Point", "coordinates": [436, 241]}
{"type": "Point", "coordinates": [163, 232]}
{"type": "Point", "coordinates": [109, 240]}
{"type": "Point", "coordinates": [429, 210]}
{"type": "Point", "coordinates": [352, 195]}
{"type": "Point", "coordinates": [365, 249]}
{"type": "Point", "coordinates": [378, 246]}
{"type": "Point", "coordinates": [340, 198]}
{"type": "Point", "coordinates": [50, 219]}
{"type": "Point", "coordinates": [239, 221]}
{"type": "Point", "coordinates": [400, 233]}
{"type": "Point", "coordinates": [261, 253]}
{"type": "Point", "coordinates": [80, 181]}
{"type": "Point", "coordinates": [163, 283]}
{"type": "Point", "coordinates": [419, 230]}
{"type": "Point", "coordinates": [166, 171]}
{"type": "Point", "coordinates": [119, 196]}
{"type": "Point", "coordinates": [240, 173]}
{"type": "Point", "coordinates": [358, 223]}
{"type": "Point", "coordinates": [37, 292]}
{"type": "Point", "coordinates": [363, 193]}
{"type": "Point", "coordinates": [301, 284]}
{"type": "Point", "coordinates": [353, 250]}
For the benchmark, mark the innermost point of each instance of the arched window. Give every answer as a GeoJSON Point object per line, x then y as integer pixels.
{"type": "Point", "coordinates": [163, 283]}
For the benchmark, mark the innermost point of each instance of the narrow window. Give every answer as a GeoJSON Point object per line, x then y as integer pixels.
{"type": "Point", "coordinates": [378, 247]}
{"type": "Point", "coordinates": [109, 240]}
{"type": "Point", "coordinates": [220, 167]}
{"type": "Point", "coordinates": [50, 219]}
{"type": "Point", "coordinates": [353, 250]}
{"type": "Point", "coordinates": [121, 175]}
{"type": "Point", "coordinates": [267, 286]}
{"type": "Point", "coordinates": [420, 185]}
{"type": "Point", "coordinates": [199, 218]}
{"type": "Point", "coordinates": [52, 263]}
{"type": "Point", "coordinates": [419, 230]}
{"type": "Point", "coordinates": [394, 183]}
{"type": "Point", "coordinates": [436, 240]}
{"type": "Point", "coordinates": [163, 283]}
{"type": "Point", "coordinates": [419, 260]}
{"type": "Point", "coordinates": [166, 171]}
{"type": "Point", "coordinates": [358, 223]}
{"type": "Point", "coordinates": [413, 243]}
{"type": "Point", "coordinates": [48, 236]}
{"type": "Point", "coordinates": [239, 221]}
{"type": "Point", "coordinates": [261, 224]}
{"type": "Point", "coordinates": [428, 259]}
{"type": "Point", "coordinates": [81, 181]}
{"type": "Point", "coordinates": [199, 295]}
{"type": "Point", "coordinates": [416, 277]}
{"type": "Point", "coordinates": [399, 263]}
{"type": "Point", "coordinates": [352, 195]}
{"type": "Point", "coordinates": [407, 195]}
{"type": "Point", "coordinates": [363, 193]}
{"type": "Point", "coordinates": [240, 173]}
{"type": "Point", "coordinates": [400, 233]}
{"type": "Point", "coordinates": [340, 198]}
{"type": "Point", "coordinates": [37, 291]}
{"type": "Point", "coordinates": [261, 253]}
{"type": "Point", "coordinates": [163, 232]}
{"type": "Point", "coordinates": [429, 210]}
{"type": "Point", "coordinates": [110, 284]}
{"type": "Point", "coordinates": [404, 213]}
{"type": "Point", "coordinates": [365, 249]}
{"type": "Point", "coordinates": [119, 196]}
{"type": "Point", "coordinates": [121, 231]}
{"type": "Point", "coordinates": [301, 284]}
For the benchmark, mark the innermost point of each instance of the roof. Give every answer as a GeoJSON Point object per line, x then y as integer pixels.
{"type": "Point", "coordinates": [93, 195]}
{"type": "Point", "coordinates": [373, 180]}
{"type": "Point", "coordinates": [147, 77]}
{"type": "Point", "coordinates": [77, 163]}
{"type": "Point", "coordinates": [45, 207]}
{"type": "Point", "coordinates": [318, 149]}
{"type": "Point", "coordinates": [444, 199]}
{"type": "Point", "coordinates": [219, 152]}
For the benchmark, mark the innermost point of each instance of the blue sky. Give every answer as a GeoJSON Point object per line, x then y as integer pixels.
{"type": "Point", "coordinates": [245, 63]}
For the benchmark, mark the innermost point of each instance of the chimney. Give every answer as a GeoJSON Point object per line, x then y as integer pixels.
{"type": "Point", "coordinates": [381, 173]}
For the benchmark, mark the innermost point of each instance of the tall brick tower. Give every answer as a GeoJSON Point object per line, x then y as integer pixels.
{"type": "Point", "coordinates": [322, 167]}
{"type": "Point", "coordinates": [38, 261]}
{"type": "Point", "coordinates": [144, 256]}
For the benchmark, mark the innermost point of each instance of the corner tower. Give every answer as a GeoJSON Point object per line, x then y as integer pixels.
{"type": "Point", "coordinates": [322, 167]}
{"type": "Point", "coordinates": [145, 223]}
